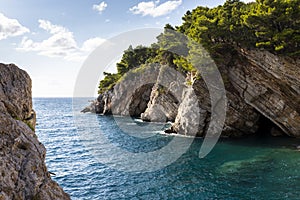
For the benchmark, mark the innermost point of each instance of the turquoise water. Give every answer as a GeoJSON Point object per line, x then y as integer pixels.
{"type": "Point", "coordinates": [251, 168]}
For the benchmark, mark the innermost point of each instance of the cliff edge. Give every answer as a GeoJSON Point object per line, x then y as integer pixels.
{"type": "Point", "coordinates": [23, 172]}
{"type": "Point", "coordinates": [262, 92]}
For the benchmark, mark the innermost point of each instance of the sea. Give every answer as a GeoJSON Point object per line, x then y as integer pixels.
{"type": "Point", "coordinates": [104, 157]}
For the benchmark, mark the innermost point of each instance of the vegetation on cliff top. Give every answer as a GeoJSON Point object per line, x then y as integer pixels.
{"type": "Point", "coordinates": [272, 25]}
{"type": "Point", "coordinates": [269, 24]}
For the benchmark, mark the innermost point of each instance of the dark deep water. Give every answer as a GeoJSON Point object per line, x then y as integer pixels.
{"type": "Point", "coordinates": [250, 168]}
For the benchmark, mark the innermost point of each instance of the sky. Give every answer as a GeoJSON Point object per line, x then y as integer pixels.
{"type": "Point", "coordinates": [50, 39]}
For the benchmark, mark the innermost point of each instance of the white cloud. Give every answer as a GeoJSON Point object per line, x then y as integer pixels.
{"type": "Point", "coordinates": [91, 44]}
{"type": "Point", "coordinates": [61, 43]}
{"type": "Point", "coordinates": [10, 27]}
{"type": "Point", "coordinates": [101, 7]}
{"type": "Point", "coordinates": [153, 9]}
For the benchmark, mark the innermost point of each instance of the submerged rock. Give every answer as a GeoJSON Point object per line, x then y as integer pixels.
{"type": "Point", "coordinates": [243, 166]}
{"type": "Point", "coordinates": [23, 170]}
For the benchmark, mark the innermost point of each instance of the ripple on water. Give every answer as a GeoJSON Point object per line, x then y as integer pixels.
{"type": "Point", "coordinates": [243, 169]}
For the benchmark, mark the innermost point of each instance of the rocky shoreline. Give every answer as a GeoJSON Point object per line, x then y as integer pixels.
{"type": "Point", "coordinates": [262, 91]}
{"type": "Point", "coordinates": [23, 171]}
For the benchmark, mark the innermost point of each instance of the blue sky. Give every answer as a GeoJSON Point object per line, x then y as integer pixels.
{"type": "Point", "coordinates": [50, 39]}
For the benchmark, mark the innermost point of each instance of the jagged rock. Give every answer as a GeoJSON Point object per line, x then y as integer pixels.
{"type": "Point", "coordinates": [139, 100]}
{"type": "Point", "coordinates": [191, 118]}
{"type": "Point", "coordinates": [241, 119]}
{"type": "Point", "coordinates": [271, 85]}
{"type": "Point", "coordinates": [134, 90]}
{"type": "Point", "coordinates": [130, 96]}
{"type": "Point", "coordinates": [194, 114]}
{"type": "Point", "coordinates": [23, 173]}
{"type": "Point", "coordinates": [90, 108]}
{"type": "Point", "coordinates": [103, 103]}
{"type": "Point", "coordinates": [258, 85]}
{"type": "Point", "coordinates": [15, 96]}
{"type": "Point", "coordinates": [165, 97]}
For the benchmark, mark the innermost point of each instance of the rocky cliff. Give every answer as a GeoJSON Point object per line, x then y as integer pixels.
{"type": "Point", "coordinates": [23, 173]}
{"type": "Point", "coordinates": [271, 85]}
{"type": "Point", "coordinates": [262, 91]}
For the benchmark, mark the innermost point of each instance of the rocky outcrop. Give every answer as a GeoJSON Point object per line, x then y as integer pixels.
{"type": "Point", "coordinates": [194, 114]}
{"type": "Point", "coordinates": [271, 85]}
{"type": "Point", "coordinates": [165, 97]}
{"type": "Point", "coordinates": [131, 95]}
{"type": "Point", "coordinates": [262, 91]}
{"type": "Point", "coordinates": [152, 92]}
{"type": "Point", "coordinates": [162, 106]}
{"type": "Point", "coordinates": [259, 86]}
{"type": "Point", "coordinates": [102, 105]}
{"type": "Point", "coordinates": [23, 173]}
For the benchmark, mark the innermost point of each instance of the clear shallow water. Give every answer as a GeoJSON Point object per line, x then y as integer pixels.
{"type": "Point", "coordinates": [253, 168]}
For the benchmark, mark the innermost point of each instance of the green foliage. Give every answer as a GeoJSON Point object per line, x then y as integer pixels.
{"type": "Point", "coordinates": [273, 25]}
{"type": "Point", "coordinates": [108, 82]}
{"type": "Point", "coordinates": [131, 59]}
{"type": "Point", "coordinates": [189, 83]}
{"type": "Point", "coordinates": [161, 90]}
{"type": "Point", "coordinates": [26, 122]}
{"type": "Point", "coordinates": [183, 65]}
{"type": "Point", "coordinates": [29, 125]}
{"type": "Point", "coordinates": [268, 24]}
{"type": "Point", "coordinates": [172, 41]}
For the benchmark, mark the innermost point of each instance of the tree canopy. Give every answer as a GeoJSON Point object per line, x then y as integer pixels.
{"type": "Point", "coordinates": [272, 25]}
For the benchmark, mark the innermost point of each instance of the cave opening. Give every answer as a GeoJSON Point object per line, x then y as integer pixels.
{"type": "Point", "coordinates": [140, 100]}
{"type": "Point", "coordinates": [268, 128]}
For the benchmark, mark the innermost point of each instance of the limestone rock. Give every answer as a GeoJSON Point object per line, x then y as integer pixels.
{"type": "Point", "coordinates": [194, 114]}
{"type": "Point", "coordinates": [166, 96]}
{"type": "Point", "coordinates": [101, 105]}
{"type": "Point", "coordinates": [15, 96]}
{"type": "Point", "coordinates": [132, 93]}
{"type": "Point", "coordinates": [259, 85]}
{"type": "Point", "coordinates": [23, 173]}
{"type": "Point", "coordinates": [130, 96]}
{"type": "Point", "coordinates": [271, 85]}
{"type": "Point", "coordinates": [191, 118]}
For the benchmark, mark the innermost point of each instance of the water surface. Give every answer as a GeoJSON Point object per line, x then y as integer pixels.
{"type": "Point", "coordinates": [251, 168]}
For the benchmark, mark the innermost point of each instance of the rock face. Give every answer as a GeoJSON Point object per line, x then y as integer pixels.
{"type": "Point", "coordinates": [152, 92]}
{"type": "Point", "coordinates": [165, 97]}
{"type": "Point", "coordinates": [194, 113]}
{"type": "Point", "coordinates": [262, 90]}
{"type": "Point", "coordinates": [23, 173]}
{"type": "Point", "coordinates": [271, 85]}
{"type": "Point", "coordinates": [259, 85]}
{"type": "Point", "coordinates": [132, 93]}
